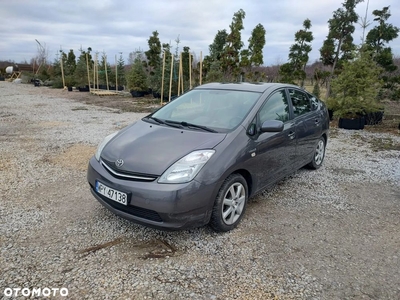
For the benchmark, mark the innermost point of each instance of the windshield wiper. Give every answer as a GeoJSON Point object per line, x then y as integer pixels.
{"type": "Point", "coordinates": [159, 121]}
{"type": "Point", "coordinates": [186, 124]}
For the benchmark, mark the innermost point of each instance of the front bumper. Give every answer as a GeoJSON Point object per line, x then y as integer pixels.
{"type": "Point", "coordinates": [161, 206]}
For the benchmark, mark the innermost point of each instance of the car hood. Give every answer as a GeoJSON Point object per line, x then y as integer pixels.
{"type": "Point", "coordinates": [148, 148]}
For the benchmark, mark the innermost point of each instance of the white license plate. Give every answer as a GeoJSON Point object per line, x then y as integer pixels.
{"type": "Point", "coordinates": [112, 194]}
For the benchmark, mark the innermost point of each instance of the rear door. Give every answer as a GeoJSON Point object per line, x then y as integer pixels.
{"type": "Point", "coordinates": [273, 152]}
{"type": "Point", "coordinates": [308, 123]}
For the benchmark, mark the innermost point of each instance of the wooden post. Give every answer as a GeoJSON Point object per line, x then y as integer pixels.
{"type": "Point", "coordinates": [87, 66]}
{"type": "Point", "coordinates": [97, 70]}
{"type": "Point", "coordinates": [162, 78]}
{"type": "Point", "coordinates": [116, 74]}
{"type": "Point", "coordinates": [105, 70]}
{"type": "Point", "coordinates": [190, 71]}
{"type": "Point", "coordinates": [62, 71]}
{"type": "Point", "coordinates": [181, 68]}
{"type": "Point", "coordinates": [179, 73]}
{"type": "Point", "coordinates": [201, 67]}
{"type": "Point", "coordinates": [170, 78]}
{"type": "Point", "coordinates": [94, 72]}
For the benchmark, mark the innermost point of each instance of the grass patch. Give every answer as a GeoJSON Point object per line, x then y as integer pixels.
{"type": "Point", "coordinates": [382, 144]}
{"type": "Point", "coordinates": [79, 108]}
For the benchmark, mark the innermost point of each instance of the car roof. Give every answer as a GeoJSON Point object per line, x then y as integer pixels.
{"type": "Point", "coordinates": [245, 86]}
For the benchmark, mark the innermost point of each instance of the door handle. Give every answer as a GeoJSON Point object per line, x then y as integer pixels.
{"type": "Point", "coordinates": [291, 135]}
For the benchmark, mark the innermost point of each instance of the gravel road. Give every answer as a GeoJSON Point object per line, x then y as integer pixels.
{"type": "Point", "coordinates": [333, 233]}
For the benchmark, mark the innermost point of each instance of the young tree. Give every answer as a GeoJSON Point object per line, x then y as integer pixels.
{"type": "Point", "coordinates": [355, 89]}
{"type": "Point", "coordinates": [105, 70]}
{"type": "Point", "coordinates": [80, 73]}
{"type": "Point", "coordinates": [231, 53]}
{"type": "Point", "coordinates": [339, 46]}
{"type": "Point", "coordinates": [216, 50]}
{"type": "Point", "coordinates": [185, 65]}
{"type": "Point", "coordinates": [137, 78]}
{"type": "Point", "coordinates": [69, 63]}
{"type": "Point", "coordinates": [217, 47]}
{"type": "Point", "coordinates": [154, 52]}
{"type": "Point", "coordinates": [379, 36]}
{"type": "Point", "coordinates": [121, 70]}
{"type": "Point", "coordinates": [298, 55]}
{"type": "Point", "coordinates": [256, 45]}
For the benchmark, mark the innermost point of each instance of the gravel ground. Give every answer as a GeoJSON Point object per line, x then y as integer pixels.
{"type": "Point", "coordinates": [333, 233]}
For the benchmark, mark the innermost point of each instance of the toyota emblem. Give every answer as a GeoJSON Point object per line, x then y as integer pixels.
{"type": "Point", "coordinates": [119, 163]}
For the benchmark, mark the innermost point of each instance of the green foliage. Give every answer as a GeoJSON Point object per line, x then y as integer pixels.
{"type": "Point", "coordinates": [245, 59]}
{"type": "Point", "coordinates": [69, 63]}
{"type": "Point", "coordinates": [355, 90]}
{"type": "Point", "coordinates": [217, 47]}
{"type": "Point", "coordinates": [121, 71]}
{"type": "Point", "coordinates": [298, 54]}
{"type": "Point", "coordinates": [338, 46]}
{"type": "Point", "coordinates": [231, 53]}
{"type": "Point", "coordinates": [286, 73]}
{"type": "Point", "coordinates": [382, 33]}
{"type": "Point", "coordinates": [316, 90]}
{"type": "Point", "coordinates": [215, 73]}
{"type": "Point", "coordinates": [137, 78]}
{"type": "Point", "coordinates": [104, 71]}
{"type": "Point", "coordinates": [154, 52]}
{"type": "Point", "coordinates": [185, 65]}
{"type": "Point", "coordinates": [256, 45]}
{"type": "Point", "coordinates": [376, 41]}
{"type": "Point", "coordinates": [80, 73]}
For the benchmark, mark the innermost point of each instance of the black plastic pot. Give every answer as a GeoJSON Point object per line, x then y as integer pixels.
{"type": "Point", "coordinates": [330, 112]}
{"type": "Point", "coordinates": [70, 89]}
{"type": "Point", "coordinates": [2, 78]}
{"type": "Point", "coordinates": [353, 123]}
{"type": "Point", "coordinates": [84, 89]}
{"type": "Point", "coordinates": [137, 93]}
{"type": "Point", "coordinates": [156, 95]}
{"type": "Point", "coordinates": [374, 118]}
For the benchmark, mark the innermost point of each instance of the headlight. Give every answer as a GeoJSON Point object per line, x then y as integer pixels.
{"type": "Point", "coordinates": [103, 144]}
{"type": "Point", "coordinates": [185, 169]}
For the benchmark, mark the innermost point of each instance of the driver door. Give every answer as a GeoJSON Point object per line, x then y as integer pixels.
{"type": "Point", "coordinates": [274, 152]}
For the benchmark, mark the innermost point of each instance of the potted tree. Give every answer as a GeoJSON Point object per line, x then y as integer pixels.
{"type": "Point", "coordinates": [69, 82]}
{"type": "Point", "coordinates": [137, 79]}
{"type": "Point", "coordinates": [355, 91]}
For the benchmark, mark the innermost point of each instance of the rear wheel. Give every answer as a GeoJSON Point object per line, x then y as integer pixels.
{"type": "Point", "coordinates": [230, 204]}
{"type": "Point", "coordinates": [319, 154]}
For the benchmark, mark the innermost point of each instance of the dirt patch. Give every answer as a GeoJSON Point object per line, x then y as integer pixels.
{"type": "Point", "coordinates": [124, 101]}
{"type": "Point", "coordinates": [50, 124]}
{"type": "Point", "coordinates": [75, 157]}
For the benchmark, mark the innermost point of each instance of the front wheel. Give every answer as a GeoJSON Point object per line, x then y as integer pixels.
{"type": "Point", "coordinates": [319, 154]}
{"type": "Point", "coordinates": [230, 204]}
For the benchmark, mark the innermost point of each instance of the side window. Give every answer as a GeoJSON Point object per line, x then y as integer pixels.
{"type": "Point", "coordinates": [276, 108]}
{"type": "Point", "coordinates": [300, 101]}
{"type": "Point", "coordinates": [314, 101]}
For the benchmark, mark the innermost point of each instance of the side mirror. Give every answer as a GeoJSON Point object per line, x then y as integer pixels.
{"type": "Point", "coordinates": [272, 126]}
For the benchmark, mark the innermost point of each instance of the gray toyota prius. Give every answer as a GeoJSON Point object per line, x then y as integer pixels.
{"type": "Point", "coordinates": [198, 159]}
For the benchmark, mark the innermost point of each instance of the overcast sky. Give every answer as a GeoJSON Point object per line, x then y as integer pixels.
{"type": "Point", "coordinates": [123, 26]}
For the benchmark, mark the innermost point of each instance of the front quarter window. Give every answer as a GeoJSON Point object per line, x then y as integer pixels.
{"type": "Point", "coordinates": [276, 108]}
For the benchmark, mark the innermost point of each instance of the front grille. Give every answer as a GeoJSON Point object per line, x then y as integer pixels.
{"type": "Point", "coordinates": [133, 210]}
{"type": "Point", "coordinates": [127, 175]}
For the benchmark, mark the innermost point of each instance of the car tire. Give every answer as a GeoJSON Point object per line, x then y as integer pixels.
{"type": "Point", "coordinates": [319, 154]}
{"type": "Point", "coordinates": [230, 204]}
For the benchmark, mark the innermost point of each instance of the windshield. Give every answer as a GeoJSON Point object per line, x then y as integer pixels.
{"type": "Point", "coordinates": [219, 110]}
